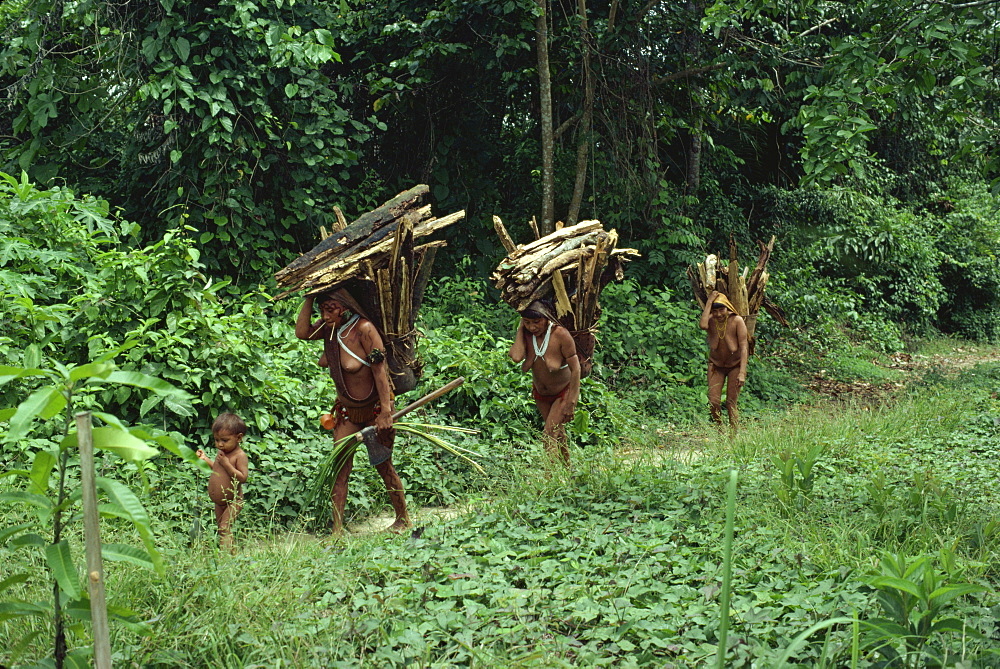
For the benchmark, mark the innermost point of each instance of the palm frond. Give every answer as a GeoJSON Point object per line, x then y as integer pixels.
{"type": "Point", "coordinates": [343, 449]}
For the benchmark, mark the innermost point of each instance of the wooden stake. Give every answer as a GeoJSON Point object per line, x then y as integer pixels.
{"type": "Point", "coordinates": [505, 238]}
{"type": "Point", "coordinates": [92, 539]}
{"type": "Point", "coordinates": [341, 219]}
{"type": "Point", "coordinates": [563, 306]}
{"type": "Point", "coordinates": [534, 228]}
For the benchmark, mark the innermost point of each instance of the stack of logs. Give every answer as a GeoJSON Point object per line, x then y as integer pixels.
{"type": "Point", "coordinates": [745, 292]}
{"type": "Point", "coordinates": [570, 267]}
{"type": "Point", "coordinates": [376, 259]}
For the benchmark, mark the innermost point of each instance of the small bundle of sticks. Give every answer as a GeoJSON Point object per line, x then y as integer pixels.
{"type": "Point", "coordinates": [570, 267]}
{"type": "Point", "coordinates": [744, 289]}
{"type": "Point", "coordinates": [376, 259]}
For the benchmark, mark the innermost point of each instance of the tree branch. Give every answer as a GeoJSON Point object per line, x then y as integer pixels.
{"type": "Point", "coordinates": [818, 26]}
{"type": "Point", "coordinates": [567, 124]}
{"type": "Point", "coordinates": [690, 72]}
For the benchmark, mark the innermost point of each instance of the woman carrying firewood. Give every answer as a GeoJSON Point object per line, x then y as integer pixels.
{"type": "Point", "coordinates": [728, 351]}
{"type": "Point", "coordinates": [548, 350]}
{"type": "Point", "coordinates": [355, 354]}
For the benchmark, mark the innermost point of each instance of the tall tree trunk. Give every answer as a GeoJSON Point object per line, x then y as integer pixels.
{"type": "Point", "coordinates": [694, 149]}
{"type": "Point", "coordinates": [548, 139]}
{"type": "Point", "coordinates": [583, 145]}
{"type": "Point", "coordinates": [692, 47]}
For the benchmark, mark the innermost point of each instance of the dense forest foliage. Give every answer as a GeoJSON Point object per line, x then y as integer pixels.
{"type": "Point", "coordinates": [161, 159]}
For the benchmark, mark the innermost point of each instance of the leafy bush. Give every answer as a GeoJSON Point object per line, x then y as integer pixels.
{"type": "Point", "coordinates": [970, 268]}
{"type": "Point", "coordinates": [651, 350]}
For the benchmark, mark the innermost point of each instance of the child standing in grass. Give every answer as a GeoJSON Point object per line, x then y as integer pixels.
{"type": "Point", "coordinates": [229, 473]}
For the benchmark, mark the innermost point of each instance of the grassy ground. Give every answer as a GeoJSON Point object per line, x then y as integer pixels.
{"type": "Point", "coordinates": [619, 562]}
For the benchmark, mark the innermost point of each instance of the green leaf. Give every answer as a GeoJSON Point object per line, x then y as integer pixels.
{"type": "Point", "coordinates": [949, 592]}
{"type": "Point", "coordinates": [93, 369]}
{"type": "Point", "coordinates": [957, 81]}
{"type": "Point", "coordinates": [139, 380]}
{"type": "Point", "coordinates": [125, 553]}
{"type": "Point", "coordinates": [9, 610]}
{"type": "Point", "coordinates": [182, 48]}
{"type": "Point", "coordinates": [43, 403]}
{"type": "Point", "coordinates": [78, 658]}
{"type": "Point", "coordinates": [41, 469]}
{"type": "Point", "coordinates": [15, 579]}
{"type": "Point", "coordinates": [39, 501]}
{"type": "Point", "coordinates": [29, 539]}
{"type": "Point", "coordinates": [128, 505]}
{"type": "Point", "coordinates": [112, 438]}
{"type": "Point", "coordinates": [61, 565]}
{"type": "Point", "coordinates": [8, 532]}
{"type": "Point", "coordinates": [291, 90]}
{"type": "Point", "coordinates": [887, 582]}
{"type": "Point", "coordinates": [32, 356]}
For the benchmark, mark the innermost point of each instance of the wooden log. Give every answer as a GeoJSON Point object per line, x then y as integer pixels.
{"type": "Point", "coordinates": [534, 227]}
{"type": "Point", "coordinates": [563, 307]}
{"type": "Point", "coordinates": [425, 263]}
{"type": "Point", "coordinates": [359, 229]}
{"type": "Point", "coordinates": [534, 264]}
{"type": "Point", "coordinates": [505, 238]}
{"type": "Point", "coordinates": [341, 219]}
{"type": "Point", "coordinates": [348, 267]}
{"type": "Point", "coordinates": [556, 237]}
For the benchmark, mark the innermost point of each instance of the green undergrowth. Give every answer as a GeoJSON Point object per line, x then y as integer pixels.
{"type": "Point", "coordinates": [619, 562]}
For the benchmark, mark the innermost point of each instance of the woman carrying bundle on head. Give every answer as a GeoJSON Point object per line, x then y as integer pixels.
{"type": "Point", "coordinates": [355, 354]}
{"type": "Point", "coordinates": [728, 352]}
{"type": "Point", "coordinates": [545, 347]}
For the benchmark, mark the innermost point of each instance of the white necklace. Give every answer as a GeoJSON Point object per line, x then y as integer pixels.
{"type": "Point", "coordinates": [347, 327]}
{"type": "Point", "coordinates": [540, 352]}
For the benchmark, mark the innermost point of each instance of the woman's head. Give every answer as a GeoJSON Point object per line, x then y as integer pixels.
{"type": "Point", "coordinates": [334, 304]}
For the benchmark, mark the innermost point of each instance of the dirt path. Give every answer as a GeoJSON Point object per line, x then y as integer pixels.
{"type": "Point", "coordinates": [944, 357]}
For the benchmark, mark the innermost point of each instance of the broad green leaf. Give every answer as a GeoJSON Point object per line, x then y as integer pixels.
{"type": "Point", "coordinates": [897, 583]}
{"type": "Point", "coordinates": [8, 532]}
{"type": "Point", "coordinates": [8, 373]}
{"type": "Point", "coordinates": [291, 90]}
{"type": "Point", "coordinates": [110, 419]}
{"type": "Point", "coordinates": [39, 501]}
{"type": "Point", "coordinates": [32, 356]}
{"type": "Point", "coordinates": [90, 370]}
{"type": "Point", "coordinates": [78, 658]}
{"type": "Point", "coordinates": [61, 565]}
{"type": "Point", "coordinates": [9, 610]}
{"type": "Point", "coordinates": [15, 579]}
{"type": "Point", "coordinates": [148, 404]}
{"type": "Point", "coordinates": [949, 592]}
{"type": "Point", "coordinates": [182, 48]}
{"type": "Point", "coordinates": [5, 414]}
{"type": "Point", "coordinates": [124, 501]}
{"type": "Point", "coordinates": [139, 380]}
{"type": "Point", "coordinates": [118, 441]}
{"type": "Point", "coordinates": [41, 469]}
{"type": "Point", "coordinates": [180, 408]}
{"type": "Point", "coordinates": [43, 403]}
{"type": "Point", "coordinates": [29, 539]}
{"type": "Point", "coordinates": [126, 553]}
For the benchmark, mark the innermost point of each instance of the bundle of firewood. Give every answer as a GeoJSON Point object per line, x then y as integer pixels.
{"type": "Point", "coordinates": [744, 289]}
{"type": "Point", "coordinates": [568, 267]}
{"type": "Point", "coordinates": [376, 259]}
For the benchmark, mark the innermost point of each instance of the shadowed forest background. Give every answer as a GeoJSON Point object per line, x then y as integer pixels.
{"type": "Point", "coordinates": [162, 159]}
